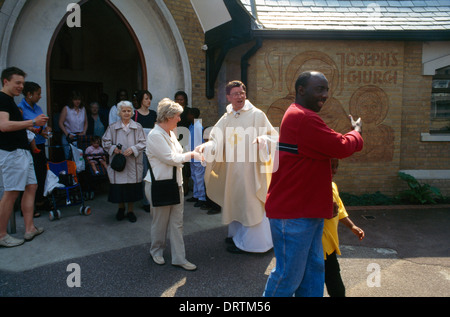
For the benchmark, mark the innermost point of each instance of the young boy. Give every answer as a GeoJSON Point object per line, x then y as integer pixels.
{"type": "Point", "coordinates": [330, 240]}
{"type": "Point", "coordinates": [197, 169]}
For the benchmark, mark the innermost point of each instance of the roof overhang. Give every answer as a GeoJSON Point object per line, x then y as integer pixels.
{"type": "Point", "coordinates": [408, 35]}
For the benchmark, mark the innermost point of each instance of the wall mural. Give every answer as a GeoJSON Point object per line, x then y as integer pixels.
{"type": "Point", "coordinates": [370, 102]}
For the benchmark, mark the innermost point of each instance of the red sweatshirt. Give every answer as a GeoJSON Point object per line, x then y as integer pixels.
{"type": "Point", "coordinates": [301, 186]}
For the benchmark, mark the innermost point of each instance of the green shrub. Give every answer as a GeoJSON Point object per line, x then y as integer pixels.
{"type": "Point", "coordinates": [419, 193]}
{"type": "Point", "coordinates": [376, 199]}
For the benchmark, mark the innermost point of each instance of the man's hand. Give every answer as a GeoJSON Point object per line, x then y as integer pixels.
{"type": "Point", "coordinates": [357, 125]}
{"type": "Point", "coordinates": [41, 120]}
{"type": "Point", "coordinates": [200, 148]}
{"type": "Point", "coordinates": [262, 143]}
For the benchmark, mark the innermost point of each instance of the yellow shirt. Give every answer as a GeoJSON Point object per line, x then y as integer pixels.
{"type": "Point", "coordinates": [330, 239]}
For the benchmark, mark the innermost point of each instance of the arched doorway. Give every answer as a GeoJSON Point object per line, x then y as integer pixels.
{"type": "Point", "coordinates": [34, 25]}
{"type": "Point", "coordinates": [96, 59]}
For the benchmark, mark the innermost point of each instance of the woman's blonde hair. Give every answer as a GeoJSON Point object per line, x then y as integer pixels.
{"type": "Point", "coordinates": [167, 108]}
{"type": "Point", "coordinates": [125, 104]}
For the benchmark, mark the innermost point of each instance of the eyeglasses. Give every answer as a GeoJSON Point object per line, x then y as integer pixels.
{"type": "Point", "coordinates": [238, 94]}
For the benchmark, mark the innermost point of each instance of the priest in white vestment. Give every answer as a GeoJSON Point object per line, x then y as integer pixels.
{"type": "Point", "coordinates": [239, 156]}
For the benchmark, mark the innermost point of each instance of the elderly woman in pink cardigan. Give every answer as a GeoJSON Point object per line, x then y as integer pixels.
{"type": "Point", "coordinates": [126, 186]}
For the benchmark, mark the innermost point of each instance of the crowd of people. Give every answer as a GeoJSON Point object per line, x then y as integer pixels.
{"type": "Point", "coordinates": [273, 187]}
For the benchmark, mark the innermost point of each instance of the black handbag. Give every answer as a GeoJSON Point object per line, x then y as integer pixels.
{"type": "Point", "coordinates": [165, 192]}
{"type": "Point", "coordinates": [119, 161]}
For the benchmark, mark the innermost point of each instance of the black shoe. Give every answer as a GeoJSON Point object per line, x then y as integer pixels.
{"type": "Point", "coordinates": [131, 216]}
{"type": "Point", "coordinates": [206, 206]}
{"type": "Point", "coordinates": [200, 203]}
{"type": "Point", "coordinates": [146, 208]}
{"type": "Point", "coordinates": [213, 212]}
{"type": "Point", "coordinates": [120, 214]}
{"type": "Point", "coordinates": [234, 249]}
{"type": "Point", "coordinates": [192, 200]}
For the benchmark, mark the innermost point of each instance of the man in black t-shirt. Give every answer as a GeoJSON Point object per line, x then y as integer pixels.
{"type": "Point", "coordinates": [16, 163]}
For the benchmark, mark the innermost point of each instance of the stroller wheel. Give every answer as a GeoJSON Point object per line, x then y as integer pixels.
{"type": "Point", "coordinates": [54, 215]}
{"type": "Point", "coordinates": [86, 211]}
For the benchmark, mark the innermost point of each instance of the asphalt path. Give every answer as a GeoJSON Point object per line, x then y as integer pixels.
{"type": "Point", "coordinates": [405, 254]}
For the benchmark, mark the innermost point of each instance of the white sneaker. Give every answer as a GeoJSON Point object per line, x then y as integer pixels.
{"type": "Point", "coordinates": [9, 242]}
{"type": "Point", "coordinates": [158, 260]}
{"type": "Point", "coordinates": [188, 266]}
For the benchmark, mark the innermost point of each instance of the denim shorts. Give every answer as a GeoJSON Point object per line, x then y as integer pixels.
{"type": "Point", "coordinates": [16, 170]}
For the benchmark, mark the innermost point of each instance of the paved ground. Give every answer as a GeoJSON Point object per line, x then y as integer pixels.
{"type": "Point", "coordinates": [408, 247]}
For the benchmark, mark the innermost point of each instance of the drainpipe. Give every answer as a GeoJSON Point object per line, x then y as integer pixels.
{"type": "Point", "coordinates": [255, 13]}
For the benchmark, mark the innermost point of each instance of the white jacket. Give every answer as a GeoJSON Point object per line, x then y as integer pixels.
{"type": "Point", "coordinates": [164, 152]}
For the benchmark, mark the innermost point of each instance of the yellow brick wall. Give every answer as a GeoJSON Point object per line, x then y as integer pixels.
{"type": "Point", "coordinates": [380, 82]}
{"type": "Point", "coordinates": [383, 76]}
{"type": "Point", "coordinates": [416, 117]}
{"type": "Point", "coordinates": [193, 37]}
{"type": "Point", "coordinates": [416, 114]}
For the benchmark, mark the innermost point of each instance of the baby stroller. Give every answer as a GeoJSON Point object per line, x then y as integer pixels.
{"type": "Point", "coordinates": [68, 192]}
{"type": "Point", "coordinates": [68, 195]}
{"type": "Point", "coordinates": [90, 180]}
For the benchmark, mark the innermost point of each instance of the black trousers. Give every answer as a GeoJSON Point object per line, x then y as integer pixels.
{"type": "Point", "coordinates": [40, 168]}
{"type": "Point", "coordinates": [333, 280]}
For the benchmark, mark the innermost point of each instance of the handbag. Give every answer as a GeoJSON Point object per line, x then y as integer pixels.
{"type": "Point", "coordinates": [119, 161]}
{"type": "Point", "coordinates": [165, 192]}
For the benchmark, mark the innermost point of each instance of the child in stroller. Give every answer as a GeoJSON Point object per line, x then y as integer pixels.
{"type": "Point", "coordinates": [95, 156]}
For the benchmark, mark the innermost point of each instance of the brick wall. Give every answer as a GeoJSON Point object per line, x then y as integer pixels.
{"type": "Point", "coordinates": [384, 77]}
{"type": "Point", "coordinates": [416, 117]}
{"type": "Point", "coordinates": [416, 114]}
{"type": "Point", "coordinates": [380, 82]}
{"type": "Point", "coordinates": [193, 37]}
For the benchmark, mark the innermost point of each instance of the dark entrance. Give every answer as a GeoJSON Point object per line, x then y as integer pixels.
{"type": "Point", "coordinates": [96, 59]}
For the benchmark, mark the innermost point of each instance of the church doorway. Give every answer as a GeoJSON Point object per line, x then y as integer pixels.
{"type": "Point", "coordinates": [97, 60]}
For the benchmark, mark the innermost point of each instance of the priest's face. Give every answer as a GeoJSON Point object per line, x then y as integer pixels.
{"type": "Point", "coordinates": [237, 98]}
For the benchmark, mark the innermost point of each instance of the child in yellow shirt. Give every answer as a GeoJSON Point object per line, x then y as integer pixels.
{"type": "Point", "coordinates": [330, 240]}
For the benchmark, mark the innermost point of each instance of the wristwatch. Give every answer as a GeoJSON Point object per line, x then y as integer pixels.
{"type": "Point", "coordinates": [34, 122]}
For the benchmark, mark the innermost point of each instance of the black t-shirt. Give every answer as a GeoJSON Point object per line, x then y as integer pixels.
{"type": "Point", "coordinates": [10, 141]}
{"type": "Point", "coordinates": [184, 120]}
{"type": "Point", "coordinates": [148, 121]}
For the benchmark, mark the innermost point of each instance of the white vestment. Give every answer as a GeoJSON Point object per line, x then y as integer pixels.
{"type": "Point", "coordinates": [238, 174]}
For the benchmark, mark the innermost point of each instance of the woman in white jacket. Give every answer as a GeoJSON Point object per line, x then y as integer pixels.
{"type": "Point", "coordinates": [164, 152]}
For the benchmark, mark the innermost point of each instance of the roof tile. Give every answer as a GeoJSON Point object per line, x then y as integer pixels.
{"type": "Point", "coordinates": [353, 15]}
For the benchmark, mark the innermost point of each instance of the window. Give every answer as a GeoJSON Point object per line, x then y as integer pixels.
{"type": "Point", "coordinates": [440, 94]}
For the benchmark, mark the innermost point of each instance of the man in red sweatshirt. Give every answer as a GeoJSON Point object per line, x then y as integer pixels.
{"type": "Point", "coordinates": [300, 192]}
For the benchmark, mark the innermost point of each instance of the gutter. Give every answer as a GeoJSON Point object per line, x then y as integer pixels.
{"type": "Point", "coordinates": [408, 35]}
